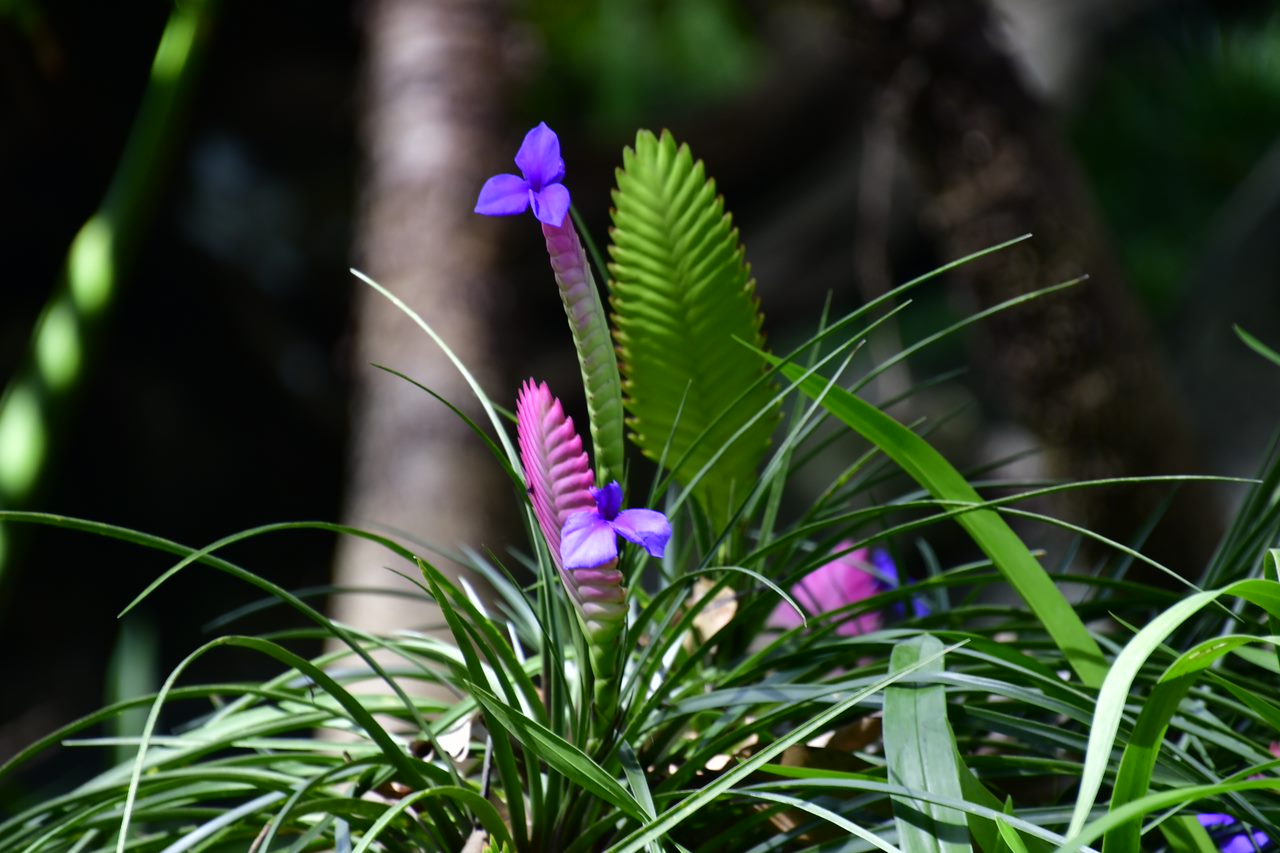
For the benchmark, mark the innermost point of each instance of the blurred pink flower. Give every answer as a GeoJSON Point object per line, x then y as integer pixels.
{"type": "Point", "coordinates": [846, 580]}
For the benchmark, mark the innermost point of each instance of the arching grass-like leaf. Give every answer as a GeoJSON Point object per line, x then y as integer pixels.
{"type": "Point", "coordinates": [1117, 688]}
{"type": "Point", "coordinates": [681, 293]}
{"type": "Point", "coordinates": [1258, 346]}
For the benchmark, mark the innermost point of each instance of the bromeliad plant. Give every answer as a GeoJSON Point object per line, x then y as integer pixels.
{"type": "Point", "coordinates": [736, 675]}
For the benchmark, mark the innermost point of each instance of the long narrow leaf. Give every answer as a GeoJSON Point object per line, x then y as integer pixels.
{"type": "Point", "coordinates": [562, 755]}
{"type": "Point", "coordinates": [920, 751]}
{"type": "Point", "coordinates": [1258, 346]}
{"type": "Point", "coordinates": [1115, 691]}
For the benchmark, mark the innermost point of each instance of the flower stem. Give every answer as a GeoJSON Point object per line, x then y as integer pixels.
{"type": "Point", "coordinates": [596, 357]}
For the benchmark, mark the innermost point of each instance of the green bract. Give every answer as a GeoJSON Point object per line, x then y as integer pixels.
{"type": "Point", "coordinates": [683, 298]}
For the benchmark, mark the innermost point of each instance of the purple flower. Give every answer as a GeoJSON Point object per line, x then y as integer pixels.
{"type": "Point", "coordinates": [1240, 841]}
{"type": "Point", "coordinates": [540, 162]}
{"type": "Point", "coordinates": [889, 580]}
{"type": "Point", "coordinates": [590, 538]}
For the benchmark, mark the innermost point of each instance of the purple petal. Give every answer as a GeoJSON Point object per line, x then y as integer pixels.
{"type": "Point", "coordinates": [645, 527]}
{"type": "Point", "coordinates": [539, 160]}
{"type": "Point", "coordinates": [587, 541]}
{"type": "Point", "coordinates": [503, 195]}
{"type": "Point", "coordinates": [608, 500]}
{"type": "Point", "coordinates": [885, 566]}
{"type": "Point", "coordinates": [550, 204]}
{"type": "Point", "coordinates": [1214, 819]}
{"type": "Point", "coordinates": [890, 579]}
{"type": "Point", "coordinates": [1241, 843]}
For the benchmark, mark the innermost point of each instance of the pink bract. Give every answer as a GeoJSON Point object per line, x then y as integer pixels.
{"type": "Point", "coordinates": [556, 468]}
{"type": "Point", "coordinates": [845, 580]}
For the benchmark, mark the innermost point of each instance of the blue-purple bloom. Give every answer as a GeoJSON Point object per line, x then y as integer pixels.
{"type": "Point", "coordinates": [889, 580]}
{"type": "Point", "coordinates": [1239, 841]}
{"type": "Point", "coordinates": [590, 539]}
{"type": "Point", "coordinates": [543, 168]}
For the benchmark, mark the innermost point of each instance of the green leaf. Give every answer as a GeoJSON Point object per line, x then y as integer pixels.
{"type": "Point", "coordinates": [681, 293]}
{"type": "Point", "coordinates": [988, 833]}
{"type": "Point", "coordinates": [1179, 796]}
{"type": "Point", "coordinates": [921, 753]}
{"type": "Point", "coordinates": [827, 815]}
{"type": "Point", "coordinates": [1116, 690]}
{"type": "Point", "coordinates": [1258, 346]}
{"type": "Point", "coordinates": [560, 754]}
{"type": "Point", "coordinates": [991, 533]}
{"type": "Point", "coordinates": [484, 811]}
{"type": "Point", "coordinates": [1010, 837]}
{"type": "Point", "coordinates": [1185, 835]}
{"type": "Point", "coordinates": [685, 808]}
{"type": "Point", "coordinates": [485, 402]}
{"type": "Point", "coordinates": [407, 768]}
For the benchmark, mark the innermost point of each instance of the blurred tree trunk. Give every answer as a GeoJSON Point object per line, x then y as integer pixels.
{"type": "Point", "coordinates": [1081, 368]}
{"type": "Point", "coordinates": [430, 111]}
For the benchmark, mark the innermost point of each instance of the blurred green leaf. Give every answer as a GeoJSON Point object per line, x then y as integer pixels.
{"type": "Point", "coordinates": [1258, 346]}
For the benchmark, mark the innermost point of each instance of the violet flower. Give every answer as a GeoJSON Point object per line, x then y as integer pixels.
{"type": "Point", "coordinates": [1240, 841]}
{"type": "Point", "coordinates": [852, 577]}
{"type": "Point", "coordinates": [543, 168]}
{"type": "Point", "coordinates": [889, 580]}
{"type": "Point", "coordinates": [590, 539]}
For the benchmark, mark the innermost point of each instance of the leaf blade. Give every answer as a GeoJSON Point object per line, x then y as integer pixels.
{"type": "Point", "coordinates": [988, 530]}
{"type": "Point", "coordinates": [921, 751]}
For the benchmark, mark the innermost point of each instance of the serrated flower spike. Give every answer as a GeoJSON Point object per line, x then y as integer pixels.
{"type": "Point", "coordinates": [559, 479]}
{"type": "Point", "coordinates": [540, 188]}
{"type": "Point", "coordinates": [590, 538]}
{"type": "Point", "coordinates": [556, 468]}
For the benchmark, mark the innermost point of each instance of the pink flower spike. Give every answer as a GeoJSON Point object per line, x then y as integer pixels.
{"type": "Point", "coordinates": [556, 468]}
{"type": "Point", "coordinates": [559, 477]}
{"type": "Point", "coordinates": [845, 580]}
